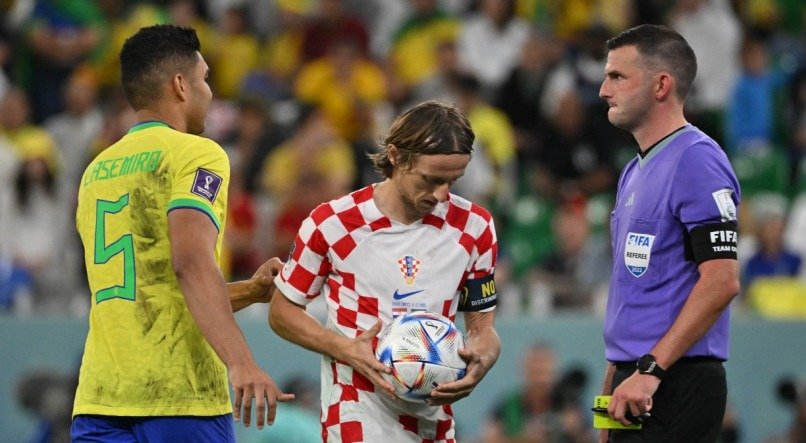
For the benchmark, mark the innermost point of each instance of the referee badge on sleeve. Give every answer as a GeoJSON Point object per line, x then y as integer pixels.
{"type": "Point", "coordinates": [206, 184]}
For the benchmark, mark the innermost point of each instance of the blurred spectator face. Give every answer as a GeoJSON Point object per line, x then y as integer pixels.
{"type": "Point", "coordinates": [569, 116]}
{"type": "Point", "coordinates": [111, 8]}
{"type": "Point", "coordinates": [311, 189]}
{"type": "Point", "coordinates": [35, 170]}
{"type": "Point", "coordinates": [689, 6]}
{"type": "Point", "coordinates": [251, 122]}
{"type": "Point", "coordinates": [534, 54]}
{"type": "Point", "coordinates": [234, 21]}
{"type": "Point", "coordinates": [771, 234]}
{"type": "Point", "coordinates": [316, 131]}
{"type": "Point", "coordinates": [80, 95]}
{"type": "Point", "coordinates": [345, 54]}
{"type": "Point", "coordinates": [592, 41]}
{"type": "Point", "coordinates": [572, 231]}
{"type": "Point", "coordinates": [754, 57]}
{"type": "Point", "coordinates": [447, 57]}
{"type": "Point", "coordinates": [290, 19]}
{"type": "Point", "coordinates": [331, 9]}
{"type": "Point", "coordinates": [423, 7]}
{"type": "Point", "coordinates": [539, 368]}
{"type": "Point", "coordinates": [182, 12]}
{"type": "Point", "coordinates": [5, 52]}
{"type": "Point", "coordinates": [14, 109]}
{"type": "Point", "coordinates": [496, 10]}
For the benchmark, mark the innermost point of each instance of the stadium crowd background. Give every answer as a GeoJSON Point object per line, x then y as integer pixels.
{"type": "Point", "coordinates": [304, 88]}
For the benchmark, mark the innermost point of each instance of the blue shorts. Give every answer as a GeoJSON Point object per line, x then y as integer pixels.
{"type": "Point", "coordinates": [174, 429]}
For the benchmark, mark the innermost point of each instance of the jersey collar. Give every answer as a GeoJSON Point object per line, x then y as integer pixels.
{"type": "Point", "coordinates": [661, 144]}
{"type": "Point", "coordinates": [148, 124]}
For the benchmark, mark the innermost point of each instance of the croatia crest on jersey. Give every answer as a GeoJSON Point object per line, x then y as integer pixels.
{"type": "Point", "coordinates": [637, 252]}
{"type": "Point", "coordinates": [409, 266]}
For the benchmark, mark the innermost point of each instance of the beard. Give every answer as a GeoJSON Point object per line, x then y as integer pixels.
{"type": "Point", "coordinates": [411, 206]}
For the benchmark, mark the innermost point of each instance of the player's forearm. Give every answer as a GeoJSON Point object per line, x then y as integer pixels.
{"type": "Point", "coordinates": [709, 298]}
{"type": "Point", "coordinates": [482, 337]}
{"type": "Point", "coordinates": [294, 324]}
{"type": "Point", "coordinates": [206, 296]}
{"type": "Point", "coordinates": [240, 295]}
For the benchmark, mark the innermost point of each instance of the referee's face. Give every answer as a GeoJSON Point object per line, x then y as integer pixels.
{"type": "Point", "coordinates": [626, 88]}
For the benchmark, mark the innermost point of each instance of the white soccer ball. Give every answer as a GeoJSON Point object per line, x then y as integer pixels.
{"type": "Point", "coordinates": [422, 349]}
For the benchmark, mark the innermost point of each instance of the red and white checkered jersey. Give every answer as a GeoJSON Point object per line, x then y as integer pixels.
{"type": "Point", "coordinates": [369, 267]}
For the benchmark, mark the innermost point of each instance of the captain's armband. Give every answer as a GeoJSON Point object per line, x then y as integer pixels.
{"type": "Point", "coordinates": [478, 294]}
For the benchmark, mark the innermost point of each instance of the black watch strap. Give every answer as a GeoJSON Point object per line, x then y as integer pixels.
{"type": "Point", "coordinates": [648, 365]}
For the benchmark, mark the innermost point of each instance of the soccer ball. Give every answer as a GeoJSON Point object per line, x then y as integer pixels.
{"type": "Point", "coordinates": [422, 349]}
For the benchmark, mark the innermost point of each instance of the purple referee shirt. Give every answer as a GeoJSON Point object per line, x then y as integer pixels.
{"type": "Point", "coordinates": [683, 182]}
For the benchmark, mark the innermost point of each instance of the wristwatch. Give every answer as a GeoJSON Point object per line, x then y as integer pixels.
{"type": "Point", "coordinates": [648, 365]}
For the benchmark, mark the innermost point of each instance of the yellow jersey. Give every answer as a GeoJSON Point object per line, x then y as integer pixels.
{"type": "Point", "coordinates": [145, 355]}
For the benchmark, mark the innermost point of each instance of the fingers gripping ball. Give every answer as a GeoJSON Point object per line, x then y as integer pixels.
{"type": "Point", "coordinates": [422, 349]}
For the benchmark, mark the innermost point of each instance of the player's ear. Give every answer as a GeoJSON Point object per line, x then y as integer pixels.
{"type": "Point", "coordinates": [179, 86]}
{"type": "Point", "coordinates": [392, 154]}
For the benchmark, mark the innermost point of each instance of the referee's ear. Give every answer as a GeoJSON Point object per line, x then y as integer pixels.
{"type": "Point", "coordinates": [664, 86]}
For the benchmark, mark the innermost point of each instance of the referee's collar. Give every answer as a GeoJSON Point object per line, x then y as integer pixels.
{"type": "Point", "coordinates": [644, 153]}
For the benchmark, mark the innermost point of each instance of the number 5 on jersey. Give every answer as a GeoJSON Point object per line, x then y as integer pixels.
{"type": "Point", "coordinates": [104, 253]}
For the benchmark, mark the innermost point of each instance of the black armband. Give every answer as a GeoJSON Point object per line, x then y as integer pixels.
{"type": "Point", "coordinates": [478, 294]}
{"type": "Point", "coordinates": [713, 241]}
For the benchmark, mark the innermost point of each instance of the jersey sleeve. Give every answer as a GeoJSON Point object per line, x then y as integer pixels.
{"type": "Point", "coordinates": [706, 190]}
{"type": "Point", "coordinates": [304, 273]}
{"type": "Point", "coordinates": [704, 199]}
{"type": "Point", "coordinates": [200, 180]}
{"type": "Point", "coordinates": [478, 292]}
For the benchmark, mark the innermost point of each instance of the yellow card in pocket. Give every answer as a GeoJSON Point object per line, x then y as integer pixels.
{"type": "Point", "coordinates": [601, 420]}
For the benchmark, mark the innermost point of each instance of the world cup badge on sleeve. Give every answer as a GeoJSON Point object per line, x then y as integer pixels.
{"type": "Point", "coordinates": [727, 209]}
{"type": "Point", "coordinates": [206, 184]}
{"type": "Point", "coordinates": [409, 266]}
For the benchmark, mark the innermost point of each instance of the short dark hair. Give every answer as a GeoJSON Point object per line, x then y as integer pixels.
{"type": "Point", "coordinates": [150, 55]}
{"type": "Point", "coordinates": [662, 48]}
{"type": "Point", "coordinates": [430, 128]}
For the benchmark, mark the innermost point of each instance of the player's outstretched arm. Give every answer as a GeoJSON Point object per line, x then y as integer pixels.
{"type": "Point", "coordinates": [258, 289]}
{"type": "Point", "coordinates": [294, 324]}
{"type": "Point", "coordinates": [193, 238]}
{"type": "Point", "coordinates": [481, 352]}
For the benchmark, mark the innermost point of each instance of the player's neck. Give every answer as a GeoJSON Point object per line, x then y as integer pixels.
{"type": "Point", "coordinates": [389, 202]}
{"type": "Point", "coordinates": [145, 115]}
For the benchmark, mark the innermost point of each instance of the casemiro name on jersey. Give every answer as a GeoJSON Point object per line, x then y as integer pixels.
{"type": "Point", "coordinates": [147, 161]}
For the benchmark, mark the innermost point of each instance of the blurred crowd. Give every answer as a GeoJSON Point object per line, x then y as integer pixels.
{"type": "Point", "coordinates": [304, 88]}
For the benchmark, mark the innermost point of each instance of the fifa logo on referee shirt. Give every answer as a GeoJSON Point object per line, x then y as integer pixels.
{"type": "Point", "coordinates": [409, 266]}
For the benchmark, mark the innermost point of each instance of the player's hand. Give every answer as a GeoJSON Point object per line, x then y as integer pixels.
{"type": "Point", "coordinates": [250, 382]}
{"type": "Point", "coordinates": [360, 356]}
{"type": "Point", "coordinates": [261, 284]}
{"type": "Point", "coordinates": [634, 394]}
{"type": "Point", "coordinates": [451, 392]}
